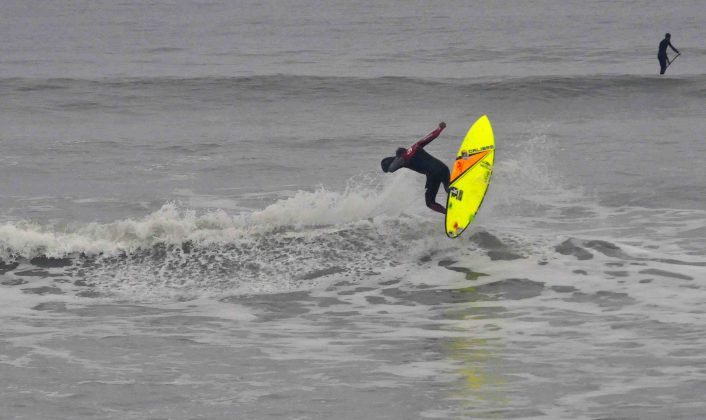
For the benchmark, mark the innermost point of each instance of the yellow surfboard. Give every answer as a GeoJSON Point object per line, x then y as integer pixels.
{"type": "Point", "coordinates": [470, 176]}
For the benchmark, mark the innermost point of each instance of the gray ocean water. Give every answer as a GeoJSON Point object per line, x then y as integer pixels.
{"type": "Point", "coordinates": [194, 225]}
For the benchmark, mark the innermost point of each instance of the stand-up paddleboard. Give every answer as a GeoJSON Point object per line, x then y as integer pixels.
{"type": "Point", "coordinates": [470, 176]}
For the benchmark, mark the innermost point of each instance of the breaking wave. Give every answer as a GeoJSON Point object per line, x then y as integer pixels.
{"type": "Point", "coordinates": [174, 225]}
{"type": "Point", "coordinates": [297, 239]}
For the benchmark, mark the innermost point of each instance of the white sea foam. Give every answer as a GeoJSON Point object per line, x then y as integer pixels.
{"type": "Point", "coordinates": [174, 225]}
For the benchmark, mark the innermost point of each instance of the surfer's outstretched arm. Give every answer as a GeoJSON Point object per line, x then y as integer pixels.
{"type": "Point", "coordinates": [672, 47]}
{"type": "Point", "coordinates": [431, 136]}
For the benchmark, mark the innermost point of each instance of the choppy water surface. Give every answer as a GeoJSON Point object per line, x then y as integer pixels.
{"type": "Point", "coordinates": [193, 223]}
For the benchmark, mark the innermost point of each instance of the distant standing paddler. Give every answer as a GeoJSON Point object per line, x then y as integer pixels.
{"type": "Point", "coordinates": [662, 53]}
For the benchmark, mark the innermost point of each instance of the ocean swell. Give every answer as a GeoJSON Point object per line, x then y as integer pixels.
{"type": "Point", "coordinates": [282, 86]}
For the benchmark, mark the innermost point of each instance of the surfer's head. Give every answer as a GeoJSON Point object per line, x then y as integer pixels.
{"type": "Point", "coordinates": [667, 35]}
{"type": "Point", "coordinates": [385, 163]}
{"type": "Point", "coordinates": [388, 161]}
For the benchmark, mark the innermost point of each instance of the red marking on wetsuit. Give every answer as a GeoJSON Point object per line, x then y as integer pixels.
{"type": "Point", "coordinates": [409, 154]}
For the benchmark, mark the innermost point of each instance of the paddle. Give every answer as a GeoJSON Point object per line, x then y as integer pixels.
{"type": "Point", "coordinates": [669, 62]}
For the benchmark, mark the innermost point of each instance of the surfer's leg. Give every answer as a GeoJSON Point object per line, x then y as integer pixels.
{"type": "Point", "coordinates": [662, 64]}
{"type": "Point", "coordinates": [438, 208]}
{"type": "Point", "coordinates": [445, 180]}
{"type": "Point", "coordinates": [430, 195]}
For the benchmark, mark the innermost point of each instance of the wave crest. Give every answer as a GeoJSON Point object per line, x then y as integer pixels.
{"type": "Point", "coordinates": [173, 225]}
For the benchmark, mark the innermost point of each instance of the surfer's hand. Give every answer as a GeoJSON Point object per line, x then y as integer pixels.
{"type": "Point", "coordinates": [442, 125]}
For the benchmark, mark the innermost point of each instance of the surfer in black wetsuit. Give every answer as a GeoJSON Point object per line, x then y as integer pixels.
{"type": "Point", "coordinates": [418, 160]}
{"type": "Point", "coordinates": [662, 53]}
